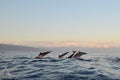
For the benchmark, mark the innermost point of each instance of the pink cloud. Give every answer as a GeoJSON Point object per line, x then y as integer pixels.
{"type": "Point", "coordinates": [62, 44]}
{"type": "Point", "coordinates": [69, 43]}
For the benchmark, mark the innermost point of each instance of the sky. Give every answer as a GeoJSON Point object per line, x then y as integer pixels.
{"type": "Point", "coordinates": [87, 23]}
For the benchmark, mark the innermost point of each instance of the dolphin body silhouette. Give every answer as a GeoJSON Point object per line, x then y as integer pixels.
{"type": "Point", "coordinates": [71, 56]}
{"type": "Point", "coordinates": [41, 55]}
{"type": "Point", "coordinates": [78, 54]}
{"type": "Point", "coordinates": [62, 55]}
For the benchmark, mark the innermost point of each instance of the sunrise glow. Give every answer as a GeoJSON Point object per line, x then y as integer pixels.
{"type": "Point", "coordinates": [60, 23]}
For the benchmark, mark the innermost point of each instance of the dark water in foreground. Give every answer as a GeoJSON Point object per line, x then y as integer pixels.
{"type": "Point", "coordinates": [90, 67]}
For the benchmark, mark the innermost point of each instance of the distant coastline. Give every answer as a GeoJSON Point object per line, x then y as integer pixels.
{"type": "Point", "coordinates": [11, 47]}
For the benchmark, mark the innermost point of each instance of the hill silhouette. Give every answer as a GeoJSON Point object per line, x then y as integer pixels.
{"type": "Point", "coordinates": [10, 47]}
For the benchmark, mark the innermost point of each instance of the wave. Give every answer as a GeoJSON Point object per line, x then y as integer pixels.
{"type": "Point", "coordinates": [27, 68]}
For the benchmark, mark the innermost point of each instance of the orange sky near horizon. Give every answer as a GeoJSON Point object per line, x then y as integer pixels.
{"type": "Point", "coordinates": [60, 23]}
{"type": "Point", "coordinates": [63, 44]}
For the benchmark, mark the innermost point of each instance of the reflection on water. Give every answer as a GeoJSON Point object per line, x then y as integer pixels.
{"type": "Point", "coordinates": [23, 66]}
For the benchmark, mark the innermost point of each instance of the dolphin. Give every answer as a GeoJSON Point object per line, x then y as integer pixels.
{"type": "Point", "coordinates": [78, 54]}
{"type": "Point", "coordinates": [41, 55]}
{"type": "Point", "coordinates": [71, 56]}
{"type": "Point", "coordinates": [62, 55]}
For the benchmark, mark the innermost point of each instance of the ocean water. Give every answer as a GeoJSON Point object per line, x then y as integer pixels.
{"type": "Point", "coordinates": [17, 65]}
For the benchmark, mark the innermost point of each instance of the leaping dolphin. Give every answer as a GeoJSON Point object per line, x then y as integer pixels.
{"type": "Point", "coordinates": [78, 54]}
{"type": "Point", "coordinates": [71, 56]}
{"type": "Point", "coordinates": [62, 55]}
{"type": "Point", "coordinates": [41, 55]}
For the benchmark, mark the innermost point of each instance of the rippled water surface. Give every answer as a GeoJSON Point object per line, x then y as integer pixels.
{"type": "Point", "coordinates": [89, 67]}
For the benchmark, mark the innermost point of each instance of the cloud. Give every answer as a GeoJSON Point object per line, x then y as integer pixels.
{"type": "Point", "coordinates": [51, 43]}
{"type": "Point", "coordinates": [69, 43]}
{"type": "Point", "coordinates": [63, 44]}
{"type": "Point", "coordinates": [7, 42]}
